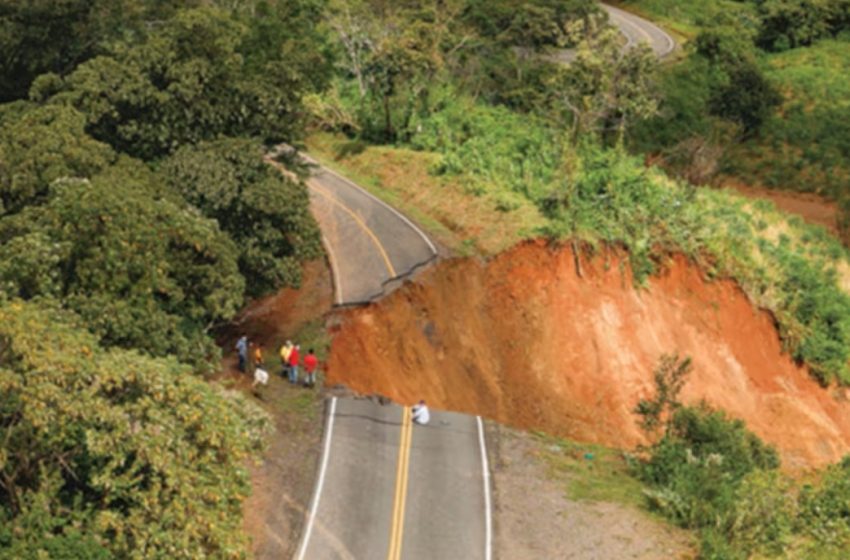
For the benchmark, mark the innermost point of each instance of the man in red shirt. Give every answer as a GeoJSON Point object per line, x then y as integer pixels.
{"type": "Point", "coordinates": [311, 363]}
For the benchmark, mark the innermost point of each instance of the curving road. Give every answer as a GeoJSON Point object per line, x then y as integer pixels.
{"type": "Point", "coordinates": [637, 30]}
{"type": "Point", "coordinates": [369, 243]}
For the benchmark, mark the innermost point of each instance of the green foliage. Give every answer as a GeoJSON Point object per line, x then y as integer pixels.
{"type": "Point", "coordinates": [793, 23]}
{"type": "Point", "coordinates": [266, 214]}
{"type": "Point", "coordinates": [187, 82]}
{"type": "Point", "coordinates": [109, 453]}
{"type": "Point", "coordinates": [670, 377]}
{"type": "Point", "coordinates": [825, 508]}
{"type": "Point", "coordinates": [604, 89]}
{"type": "Point", "coordinates": [496, 148]}
{"type": "Point", "coordinates": [746, 98]}
{"type": "Point", "coordinates": [41, 145]}
{"type": "Point", "coordinates": [708, 472]}
{"type": "Point", "coordinates": [143, 271]}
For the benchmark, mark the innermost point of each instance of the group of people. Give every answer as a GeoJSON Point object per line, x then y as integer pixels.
{"type": "Point", "coordinates": [290, 357]}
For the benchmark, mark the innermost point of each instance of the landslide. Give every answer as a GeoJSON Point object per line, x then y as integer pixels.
{"type": "Point", "coordinates": [530, 340]}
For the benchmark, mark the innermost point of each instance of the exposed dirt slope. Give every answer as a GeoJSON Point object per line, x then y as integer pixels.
{"type": "Point", "coordinates": [526, 341]}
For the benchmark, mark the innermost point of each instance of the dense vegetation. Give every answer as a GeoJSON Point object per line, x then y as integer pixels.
{"type": "Point", "coordinates": [706, 471]}
{"type": "Point", "coordinates": [799, 49]}
{"type": "Point", "coordinates": [136, 216]}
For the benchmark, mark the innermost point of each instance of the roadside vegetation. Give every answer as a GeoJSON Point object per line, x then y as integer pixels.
{"type": "Point", "coordinates": [136, 217]}
{"type": "Point", "coordinates": [798, 138]}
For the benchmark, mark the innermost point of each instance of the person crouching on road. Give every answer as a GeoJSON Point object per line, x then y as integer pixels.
{"type": "Point", "coordinates": [285, 351]}
{"type": "Point", "coordinates": [420, 413]}
{"type": "Point", "coordinates": [311, 363]}
{"type": "Point", "coordinates": [293, 364]}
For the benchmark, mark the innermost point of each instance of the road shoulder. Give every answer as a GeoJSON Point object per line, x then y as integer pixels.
{"type": "Point", "coordinates": [535, 518]}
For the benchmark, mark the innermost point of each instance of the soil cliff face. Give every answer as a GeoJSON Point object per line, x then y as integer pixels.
{"type": "Point", "coordinates": [526, 340]}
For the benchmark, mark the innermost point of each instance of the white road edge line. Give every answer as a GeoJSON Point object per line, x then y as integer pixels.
{"type": "Point", "coordinates": [317, 493]}
{"type": "Point", "coordinates": [488, 522]}
{"type": "Point", "coordinates": [334, 270]}
{"type": "Point", "coordinates": [382, 203]}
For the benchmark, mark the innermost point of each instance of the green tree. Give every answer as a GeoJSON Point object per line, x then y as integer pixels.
{"type": "Point", "coordinates": [141, 270]}
{"type": "Point", "coordinates": [113, 454]}
{"type": "Point", "coordinates": [41, 145]}
{"type": "Point", "coordinates": [604, 89]}
{"type": "Point", "coordinates": [187, 82]}
{"type": "Point", "coordinates": [265, 213]}
{"type": "Point", "coordinates": [745, 97]}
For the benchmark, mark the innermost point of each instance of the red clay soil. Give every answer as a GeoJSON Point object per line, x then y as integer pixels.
{"type": "Point", "coordinates": [526, 341]}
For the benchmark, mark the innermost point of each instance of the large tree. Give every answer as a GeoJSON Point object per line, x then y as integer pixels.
{"type": "Point", "coordinates": [189, 81]}
{"type": "Point", "coordinates": [113, 454]}
{"type": "Point", "coordinates": [265, 213]}
{"type": "Point", "coordinates": [142, 270]}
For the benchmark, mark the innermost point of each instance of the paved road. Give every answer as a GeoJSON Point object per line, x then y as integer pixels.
{"type": "Point", "coordinates": [634, 28]}
{"type": "Point", "coordinates": [369, 243]}
{"type": "Point", "coordinates": [638, 30]}
{"type": "Point", "coordinates": [390, 489]}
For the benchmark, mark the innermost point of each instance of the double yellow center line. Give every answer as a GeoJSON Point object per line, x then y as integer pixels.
{"type": "Point", "coordinates": [397, 528]}
{"type": "Point", "coordinates": [360, 222]}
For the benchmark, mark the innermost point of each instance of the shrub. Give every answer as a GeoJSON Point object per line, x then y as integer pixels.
{"type": "Point", "coordinates": [111, 451]}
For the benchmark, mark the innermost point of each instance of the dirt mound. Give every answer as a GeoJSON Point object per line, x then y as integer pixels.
{"type": "Point", "coordinates": [526, 340]}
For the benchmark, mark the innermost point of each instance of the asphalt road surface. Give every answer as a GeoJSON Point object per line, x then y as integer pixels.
{"type": "Point", "coordinates": [638, 30]}
{"type": "Point", "coordinates": [388, 488]}
{"type": "Point", "coordinates": [634, 28]}
{"type": "Point", "coordinates": [369, 243]}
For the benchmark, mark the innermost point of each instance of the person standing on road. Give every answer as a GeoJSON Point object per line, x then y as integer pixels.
{"type": "Point", "coordinates": [420, 413]}
{"type": "Point", "coordinates": [311, 362]}
{"type": "Point", "coordinates": [293, 364]}
{"type": "Point", "coordinates": [285, 351]}
{"type": "Point", "coordinates": [242, 352]}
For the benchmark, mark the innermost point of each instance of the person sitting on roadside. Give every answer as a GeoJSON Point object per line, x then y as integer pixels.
{"type": "Point", "coordinates": [420, 413]}
{"type": "Point", "coordinates": [311, 363]}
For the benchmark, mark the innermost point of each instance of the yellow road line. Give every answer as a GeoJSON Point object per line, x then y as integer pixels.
{"type": "Point", "coordinates": [333, 200]}
{"type": "Point", "coordinates": [397, 528]}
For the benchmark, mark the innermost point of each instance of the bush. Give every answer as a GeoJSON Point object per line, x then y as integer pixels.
{"type": "Point", "coordinates": [110, 453]}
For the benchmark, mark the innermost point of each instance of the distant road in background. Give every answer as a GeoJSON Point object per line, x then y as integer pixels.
{"type": "Point", "coordinates": [638, 30]}
{"type": "Point", "coordinates": [634, 28]}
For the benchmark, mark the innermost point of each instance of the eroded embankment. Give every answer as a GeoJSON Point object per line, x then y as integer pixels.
{"type": "Point", "coordinates": [527, 341]}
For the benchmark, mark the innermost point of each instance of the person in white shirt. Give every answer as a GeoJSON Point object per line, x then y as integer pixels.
{"type": "Point", "coordinates": [420, 413]}
{"type": "Point", "coordinates": [261, 377]}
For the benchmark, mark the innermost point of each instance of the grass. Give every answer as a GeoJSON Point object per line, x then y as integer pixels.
{"type": "Point", "coordinates": [441, 204]}
{"type": "Point", "coordinates": [591, 472]}
{"type": "Point", "coordinates": [806, 146]}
